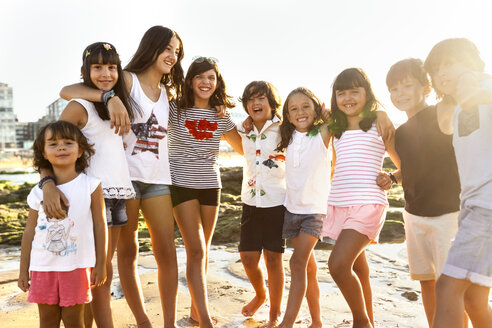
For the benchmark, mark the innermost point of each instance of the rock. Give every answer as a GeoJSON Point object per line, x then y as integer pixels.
{"type": "Point", "coordinates": [411, 296]}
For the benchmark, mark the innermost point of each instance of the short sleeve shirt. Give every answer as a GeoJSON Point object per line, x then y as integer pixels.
{"type": "Point", "coordinates": [194, 139]}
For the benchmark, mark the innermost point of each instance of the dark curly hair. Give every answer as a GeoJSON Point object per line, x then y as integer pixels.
{"type": "Point", "coordinates": [219, 97]}
{"type": "Point", "coordinates": [61, 130]}
{"type": "Point", "coordinates": [262, 88]}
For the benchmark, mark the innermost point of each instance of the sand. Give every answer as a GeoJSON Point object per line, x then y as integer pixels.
{"type": "Point", "coordinates": [229, 290]}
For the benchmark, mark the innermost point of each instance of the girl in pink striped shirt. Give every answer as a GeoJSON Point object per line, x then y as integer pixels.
{"type": "Point", "coordinates": [356, 205]}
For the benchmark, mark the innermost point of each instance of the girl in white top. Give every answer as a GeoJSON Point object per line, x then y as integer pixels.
{"type": "Point", "coordinates": [101, 68]}
{"type": "Point", "coordinates": [62, 259]}
{"type": "Point", "coordinates": [356, 206]}
{"type": "Point", "coordinates": [307, 175]}
{"type": "Point", "coordinates": [153, 76]}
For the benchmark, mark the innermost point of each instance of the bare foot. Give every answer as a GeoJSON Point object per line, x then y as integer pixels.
{"type": "Point", "coordinates": [272, 324]}
{"type": "Point", "coordinates": [145, 324]}
{"type": "Point", "coordinates": [316, 325]}
{"type": "Point", "coordinates": [253, 306]}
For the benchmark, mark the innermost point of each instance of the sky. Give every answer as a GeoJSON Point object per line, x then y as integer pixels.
{"type": "Point", "coordinates": [288, 43]}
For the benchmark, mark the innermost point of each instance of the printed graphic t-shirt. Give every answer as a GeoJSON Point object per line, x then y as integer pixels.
{"type": "Point", "coordinates": [68, 244]}
{"type": "Point", "coordinates": [194, 138]}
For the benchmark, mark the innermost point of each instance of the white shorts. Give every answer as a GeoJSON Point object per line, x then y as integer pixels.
{"type": "Point", "coordinates": [428, 242]}
{"type": "Point", "coordinates": [470, 257]}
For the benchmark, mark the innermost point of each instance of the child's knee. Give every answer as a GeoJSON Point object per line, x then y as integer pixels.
{"type": "Point", "coordinates": [249, 260]}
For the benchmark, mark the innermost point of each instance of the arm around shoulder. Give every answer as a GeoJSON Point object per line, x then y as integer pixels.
{"type": "Point", "coordinates": [234, 139]}
{"type": "Point", "coordinates": [80, 90]}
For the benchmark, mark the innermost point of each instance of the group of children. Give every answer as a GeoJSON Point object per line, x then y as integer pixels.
{"type": "Point", "coordinates": [163, 162]}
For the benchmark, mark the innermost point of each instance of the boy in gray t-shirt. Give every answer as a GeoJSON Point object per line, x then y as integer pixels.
{"type": "Point", "coordinates": [457, 75]}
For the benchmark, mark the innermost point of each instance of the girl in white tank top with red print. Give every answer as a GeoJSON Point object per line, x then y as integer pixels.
{"type": "Point", "coordinates": [356, 205]}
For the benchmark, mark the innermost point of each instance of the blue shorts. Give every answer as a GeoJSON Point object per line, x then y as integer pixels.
{"type": "Point", "coordinates": [312, 224]}
{"type": "Point", "coordinates": [115, 212]}
{"type": "Point", "coordinates": [145, 190]}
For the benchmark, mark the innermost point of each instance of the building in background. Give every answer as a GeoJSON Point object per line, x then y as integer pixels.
{"type": "Point", "coordinates": [56, 108]}
{"type": "Point", "coordinates": [7, 118]}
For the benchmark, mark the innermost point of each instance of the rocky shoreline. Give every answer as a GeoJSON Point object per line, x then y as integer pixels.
{"type": "Point", "coordinates": [14, 210]}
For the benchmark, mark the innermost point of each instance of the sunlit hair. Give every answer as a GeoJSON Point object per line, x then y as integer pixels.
{"type": "Point", "coordinates": [407, 68]}
{"type": "Point", "coordinates": [105, 53]}
{"type": "Point", "coordinates": [453, 50]}
{"type": "Point", "coordinates": [262, 88]}
{"type": "Point", "coordinates": [287, 128]}
{"type": "Point", "coordinates": [153, 43]}
{"type": "Point", "coordinates": [219, 97]}
{"type": "Point", "coordinates": [61, 130]}
{"type": "Point", "coordinates": [352, 78]}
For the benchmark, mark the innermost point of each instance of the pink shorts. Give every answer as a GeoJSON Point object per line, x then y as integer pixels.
{"type": "Point", "coordinates": [365, 219]}
{"type": "Point", "coordinates": [61, 288]}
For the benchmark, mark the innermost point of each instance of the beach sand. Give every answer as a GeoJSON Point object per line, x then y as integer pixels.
{"type": "Point", "coordinates": [229, 290]}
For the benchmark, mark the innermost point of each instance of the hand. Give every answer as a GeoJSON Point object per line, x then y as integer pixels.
{"type": "Point", "coordinates": [55, 204]}
{"type": "Point", "coordinates": [384, 126]}
{"type": "Point", "coordinates": [221, 111]}
{"type": "Point", "coordinates": [468, 90]}
{"type": "Point", "coordinates": [384, 181]}
{"type": "Point", "coordinates": [325, 114]}
{"type": "Point", "coordinates": [98, 275]}
{"type": "Point", "coordinates": [118, 115]}
{"type": "Point", "coordinates": [248, 124]}
{"type": "Point", "coordinates": [23, 281]}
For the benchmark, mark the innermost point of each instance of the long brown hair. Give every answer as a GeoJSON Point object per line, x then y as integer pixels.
{"type": "Point", "coordinates": [153, 43]}
{"type": "Point", "coordinates": [105, 53]}
{"type": "Point", "coordinates": [287, 128]}
{"type": "Point", "coordinates": [349, 79]}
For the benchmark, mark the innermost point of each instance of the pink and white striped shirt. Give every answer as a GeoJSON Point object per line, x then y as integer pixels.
{"type": "Point", "coordinates": [359, 159]}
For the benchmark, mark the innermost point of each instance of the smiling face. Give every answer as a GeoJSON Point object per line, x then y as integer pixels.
{"type": "Point", "coordinates": [259, 109]}
{"type": "Point", "coordinates": [301, 112]}
{"type": "Point", "coordinates": [61, 151]}
{"type": "Point", "coordinates": [351, 101]}
{"type": "Point", "coordinates": [203, 86]}
{"type": "Point", "coordinates": [408, 95]}
{"type": "Point", "coordinates": [166, 59]}
{"type": "Point", "coordinates": [104, 76]}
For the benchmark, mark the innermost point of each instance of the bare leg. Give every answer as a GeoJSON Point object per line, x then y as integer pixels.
{"type": "Point", "coordinates": [361, 269]}
{"type": "Point", "coordinates": [251, 261]}
{"type": "Point", "coordinates": [349, 246]}
{"type": "Point", "coordinates": [127, 264]}
{"type": "Point", "coordinates": [73, 316]}
{"type": "Point", "coordinates": [49, 316]}
{"type": "Point", "coordinates": [451, 295]}
{"type": "Point", "coordinates": [188, 217]}
{"type": "Point", "coordinates": [275, 269]}
{"type": "Point", "coordinates": [101, 296]}
{"type": "Point", "coordinates": [158, 215]}
{"type": "Point", "coordinates": [313, 293]}
{"type": "Point", "coordinates": [429, 299]}
{"type": "Point", "coordinates": [477, 306]}
{"type": "Point", "coordinates": [303, 246]}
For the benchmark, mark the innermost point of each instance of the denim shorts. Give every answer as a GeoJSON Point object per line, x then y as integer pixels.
{"type": "Point", "coordinates": [115, 212]}
{"type": "Point", "coordinates": [145, 190]}
{"type": "Point", "coordinates": [311, 224]}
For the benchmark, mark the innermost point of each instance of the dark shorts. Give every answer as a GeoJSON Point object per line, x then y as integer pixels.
{"type": "Point", "coordinates": [311, 224]}
{"type": "Point", "coordinates": [261, 228]}
{"type": "Point", "coordinates": [209, 197]}
{"type": "Point", "coordinates": [115, 212]}
{"type": "Point", "coordinates": [145, 190]}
